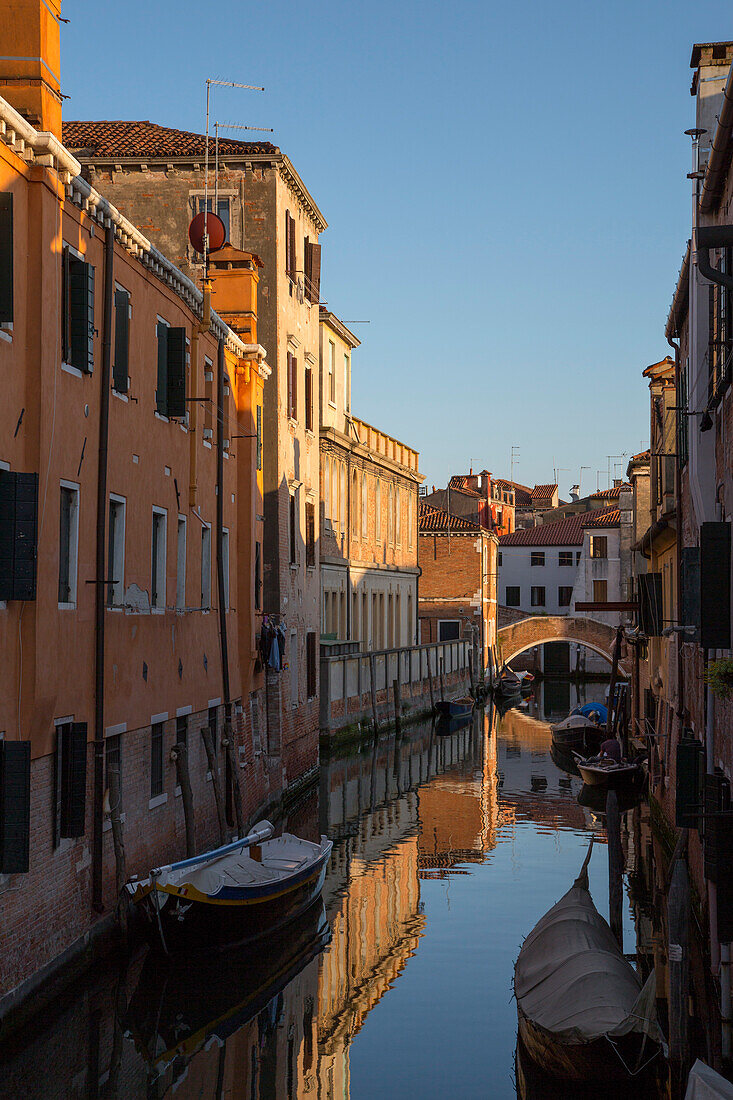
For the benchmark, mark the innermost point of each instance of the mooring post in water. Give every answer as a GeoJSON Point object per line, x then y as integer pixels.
{"type": "Point", "coordinates": [615, 867]}
{"type": "Point", "coordinates": [678, 925]}
{"type": "Point", "coordinates": [214, 773]}
{"type": "Point", "coordinates": [470, 675]}
{"type": "Point", "coordinates": [397, 706]}
{"type": "Point", "coordinates": [179, 752]}
{"type": "Point", "coordinates": [430, 682]}
{"type": "Point", "coordinates": [373, 686]}
{"type": "Point", "coordinates": [115, 800]}
{"type": "Point", "coordinates": [442, 681]}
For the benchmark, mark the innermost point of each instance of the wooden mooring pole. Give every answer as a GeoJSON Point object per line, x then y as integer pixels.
{"type": "Point", "coordinates": [213, 771]}
{"type": "Point", "coordinates": [442, 681]}
{"type": "Point", "coordinates": [397, 706]}
{"type": "Point", "coordinates": [615, 868]}
{"type": "Point", "coordinates": [430, 682]}
{"type": "Point", "coordinates": [373, 685]}
{"type": "Point", "coordinates": [179, 753]}
{"type": "Point", "coordinates": [115, 813]}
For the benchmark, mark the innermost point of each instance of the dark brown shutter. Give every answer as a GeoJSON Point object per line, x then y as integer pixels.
{"type": "Point", "coordinates": [650, 604]}
{"type": "Point", "coordinates": [176, 387]}
{"type": "Point", "coordinates": [315, 273]}
{"type": "Point", "coordinates": [310, 535]}
{"type": "Point", "coordinates": [122, 340]}
{"type": "Point", "coordinates": [161, 392]}
{"type": "Point", "coordinates": [15, 806]}
{"type": "Point", "coordinates": [6, 257]}
{"type": "Point", "coordinates": [309, 398]}
{"type": "Point", "coordinates": [73, 778]}
{"type": "Point", "coordinates": [18, 535]}
{"type": "Point", "coordinates": [307, 267]}
{"type": "Point", "coordinates": [690, 578]}
{"type": "Point", "coordinates": [288, 252]}
{"type": "Point", "coordinates": [715, 585]}
{"type": "Point", "coordinates": [293, 257]}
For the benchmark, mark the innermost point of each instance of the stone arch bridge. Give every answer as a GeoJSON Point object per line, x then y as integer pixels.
{"type": "Point", "coordinates": [527, 631]}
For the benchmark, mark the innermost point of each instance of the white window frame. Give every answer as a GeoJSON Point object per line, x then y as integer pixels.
{"type": "Point", "coordinates": [181, 546]}
{"type": "Point", "coordinates": [70, 605]}
{"type": "Point", "coordinates": [158, 581]}
{"type": "Point", "coordinates": [206, 574]}
{"type": "Point", "coordinates": [69, 367]}
{"type": "Point", "coordinates": [117, 564]}
{"type": "Point", "coordinates": [456, 622]}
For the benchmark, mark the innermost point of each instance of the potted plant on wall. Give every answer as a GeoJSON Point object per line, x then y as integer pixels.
{"type": "Point", "coordinates": [720, 677]}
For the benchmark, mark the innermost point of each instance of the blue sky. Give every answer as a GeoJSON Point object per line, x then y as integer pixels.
{"type": "Point", "coordinates": [505, 187]}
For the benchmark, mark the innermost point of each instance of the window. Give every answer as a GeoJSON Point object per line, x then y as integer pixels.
{"type": "Point", "coordinates": [565, 557]}
{"type": "Point", "coordinates": [208, 401]}
{"type": "Point", "coordinates": [537, 557]}
{"type": "Point", "coordinates": [170, 393]}
{"type": "Point", "coordinates": [342, 497]}
{"type": "Point", "coordinates": [378, 511]}
{"type": "Point", "coordinates": [398, 517]}
{"type": "Point", "coordinates": [600, 591]}
{"type": "Point", "coordinates": [18, 535]}
{"type": "Point", "coordinates": [293, 660]}
{"type": "Point", "coordinates": [293, 527]}
{"type": "Point", "coordinates": [258, 576]}
{"type": "Point", "coordinates": [410, 519]}
{"type": "Point", "coordinates": [290, 260]}
{"type": "Point", "coordinates": [259, 437]}
{"type": "Point", "coordinates": [68, 544]}
{"type": "Point", "coordinates": [181, 564]}
{"type": "Point", "coordinates": [499, 558]}
{"type": "Point", "coordinates": [512, 596]}
{"type": "Point", "coordinates": [364, 506]}
{"type": "Point", "coordinates": [720, 329]}
{"type": "Point", "coordinates": [310, 654]}
{"type": "Point", "coordinates": [225, 565]}
{"type": "Point", "coordinates": [355, 505]}
{"type": "Point", "coordinates": [390, 516]}
{"type": "Point", "coordinates": [292, 387]}
{"type": "Point", "coordinates": [538, 596]}
{"type": "Point", "coordinates": [332, 372]}
{"type": "Point", "coordinates": [449, 630]}
{"type": "Point", "coordinates": [112, 757]}
{"type": "Point", "coordinates": [157, 559]}
{"type": "Point", "coordinates": [599, 546]}
{"type": "Point", "coordinates": [182, 729]}
{"type": "Point", "coordinates": [116, 552]}
{"type": "Point", "coordinates": [70, 780]}
{"type": "Point", "coordinates": [310, 534]}
{"type": "Point", "coordinates": [213, 726]}
{"type": "Point", "coordinates": [6, 258]}
{"type": "Point", "coordinates": [346, 382]}
{"type": "Point", "coordinates": [222, 209]}
{"type": "Point", "coordinates": [206, 566]}
{"type": "Point", "coordinates": [156, 759]}
{"type": "Point", "coordinates": [78, 312]}
{"type": "Point", "coordinates": [312, 259]}
{"type": "Point", "coordinates": [564, 594]}
{"type": "Point", "coordinates": [308, 398]}
{"type": "Point", "coordinates": [120, 379]}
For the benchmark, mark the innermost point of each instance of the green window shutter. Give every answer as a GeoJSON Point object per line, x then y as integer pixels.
{"type": "Point", "coordinates": [6, 257]}
{"type": "Point", "coordinates": [715, 585]}
{"type": "Point", "coordinates": [122, 341]}
{"type": "Point", "coordinates": [650, 604]}
{"type": "Point", "coordinates": [18, 535]}
{"type": "Point", "coordinates": [81, 315]}
{"type": "Point", "coordinates": [161, 393]}
{"type": "Point", "coordinates": [73, 778]}
{"type": "Point", "coordinates": [176, 368]}
{"type": "Point", "coordinates": [690, 609]}
{"type": "Point", "coordinates": [15, 806]}
{"type": "Point", "coordinates": [66, 305]}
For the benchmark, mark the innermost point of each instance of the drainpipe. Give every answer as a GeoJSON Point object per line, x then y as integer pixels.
{"type": "Point", "coordinates": [221, 589]}
{"type": "Point", "coordinates": [100, 587]}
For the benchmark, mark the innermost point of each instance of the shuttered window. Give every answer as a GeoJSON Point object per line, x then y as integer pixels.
{"type": "Point", "coordinates": [310, 534]}
{"type": "Point", "coordinates": [715, 602]}
{"type": "Point", "coordinates": [310, 656]}
{"type": "Point", "coordinates": [312, 263]}
{"type": "Point", "coordinates": [308, 398]}
{"type": "Point", "coordinates": [170, 395]}
{"type": "Point", "coordinates": [68, 543]}
{"type": "Point", "coordinates": [290, 257]}
{"type": "Point", "coordinates": [156, 758]}
{"type": "Point", "coordinates": [18, 535]}
{"type": "Point", "coordinates": [120, 379]}
{"type": "Point", "coordinates": [650, 604]}
{"type": "Point", "coordinates": [690, 581]}
{"type": "Point", "coordinates": [292, 387]}
{"type": "Point", "coordinates": [70, 780]}
{"type": "Point", "coordinates": [78, 312]}
{"type": "Point", "coordinates": [6, 258]}
{"type": "Point", "coordinates": [15, 806]}
{"type": "Point", "coordinates": [293, 527]}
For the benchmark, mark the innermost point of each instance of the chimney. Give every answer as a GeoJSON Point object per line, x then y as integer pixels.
{"type": "Point", "coordinates": [575, 493]}
{"type": "Point", "coordinates": [234, 296]}
{"type": "Point", "coordinates": [711, 62]}
{"type": "Point", "coordinates": [30, 67]}
{"type": "Point", "coordinates": [616, 482]}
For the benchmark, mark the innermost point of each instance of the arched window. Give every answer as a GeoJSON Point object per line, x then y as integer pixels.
{"type": "Point", "coordinates": [378, 511]}
{"type": "Point", "coordinates": [355, 505]}
{"type": "Point", "coordinates": [364, 508]}
{"type": "Point", "coordinates": [342, 496]}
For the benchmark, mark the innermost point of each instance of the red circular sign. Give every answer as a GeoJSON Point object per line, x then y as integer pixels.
{"type": "Point", "coordinates": [215, 226]}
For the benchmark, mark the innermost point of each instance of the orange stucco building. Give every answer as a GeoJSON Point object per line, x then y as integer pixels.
{"type": "Point", "coordinates": [130, 533]}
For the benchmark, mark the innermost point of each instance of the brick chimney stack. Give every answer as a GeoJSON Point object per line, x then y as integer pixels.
{"type": "Point", "coordinates": [30, 65]}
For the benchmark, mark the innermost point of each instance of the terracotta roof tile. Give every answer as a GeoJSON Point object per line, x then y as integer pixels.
{"type": "Point", "coordinates": [608, 517]}
{"type": "Point", "coordinates": [562, 532]}
{"type": "Point", "coordinates": [435, 520]}
{"type": "Point", "coordinates": [610, 494]}
{"type": "Point", "coordinates": [146, 139]}
{"type": "Point", "coordinates": [458, 484]}
{"type": "Point", "coordinates": [543, 492]}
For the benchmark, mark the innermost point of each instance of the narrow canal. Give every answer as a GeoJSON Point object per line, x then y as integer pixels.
{"type": "Point", "coordinates": [447, 851]}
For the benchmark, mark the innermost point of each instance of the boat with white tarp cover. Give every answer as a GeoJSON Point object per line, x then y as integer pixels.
{"type": "Point", "coordinates": [705, 1084]}
{"type": "Point", "coordinates": [583, 1013]}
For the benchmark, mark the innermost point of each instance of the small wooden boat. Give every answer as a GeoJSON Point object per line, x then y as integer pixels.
{"type": "Point", "coordinates": [578, 732]}
{"type": "Point", "coordinates": [454, 708]}
{"type": "Point", "coordinates": [606, 773]}
{"type": "Point", "coordinates": [583, 1014]}
{"type": "Point", "coordinates": [445, 726]}
{"type": "Point", "coordinates": [233, 894]}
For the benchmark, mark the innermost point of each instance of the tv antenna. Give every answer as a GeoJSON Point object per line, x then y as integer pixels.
{"type": "Point", "coordinates": [580, 479]}
{"type": "Point", "coordinates": [210, 83]}
{"type": "Point", "coordinates": [228, 126]}
{"type": "Point", "coordinates": [514, 458]}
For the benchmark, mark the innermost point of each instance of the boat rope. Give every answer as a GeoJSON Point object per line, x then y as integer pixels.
{"type": "Point", "coordinates": [156, 905]}
{"type": "Point", "coordinates": [639, 1069]}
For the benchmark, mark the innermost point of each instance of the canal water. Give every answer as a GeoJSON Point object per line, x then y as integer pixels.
{"type": "Point", "coordinates": [447, 850]}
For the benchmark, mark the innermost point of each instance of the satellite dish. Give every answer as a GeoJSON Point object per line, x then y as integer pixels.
{"type": "Point", "coordinates": [203, 222]}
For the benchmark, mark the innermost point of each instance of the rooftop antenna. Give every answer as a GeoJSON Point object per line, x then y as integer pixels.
{"type": "Point", "coordinates": [210, 83]}
{"type": "Point", "coordinates": [228, 126]}
{"type": "Point", "coordinates": [580, 479]}
{"type": "Point", "coordinates": [609, 457]}
{"type": "Point", "coordinates": [514, 458]}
